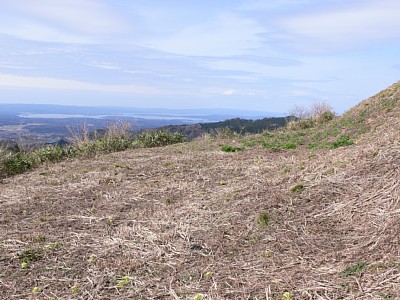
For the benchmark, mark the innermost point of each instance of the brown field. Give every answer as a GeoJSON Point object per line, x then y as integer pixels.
{"type": "Point", "coordinates": [190, 221]}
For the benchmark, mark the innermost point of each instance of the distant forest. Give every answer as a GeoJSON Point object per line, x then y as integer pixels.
{"type": "Point", "coordinates": [237, 125]}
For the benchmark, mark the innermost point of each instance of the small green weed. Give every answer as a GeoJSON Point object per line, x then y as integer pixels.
{"type": "Point", "coordinates": [198, 297]}
{"type": "Point", "coordinates": [208, 275]}
{"type": "Point", "coordinates": [42, 218]}
{"type": "Point", "coordinates": [74, 289]}
{"type": "Point", "coordinates": [287, 296]}
{"type": "Point", "coordinates": [54, 246]}
{"type": "Point", "coordinates": [267, 253]}
{"type": "Point", "coordinates": [93, 258]}
{"type": "Point", "coordinates": [169, 201]}
{"type": "Point", "coordinates": [352, 270]}
{"type": "Point", "coordinates": [297, 188]}
{"type": "Point", "coordinates": [38, 238]}
{"type": "Point", "coordinates": [263, 219]}
{"type": "Point", "coordinates": [122, 281]}
{"type": "Point", "coordinates": [30, 254]}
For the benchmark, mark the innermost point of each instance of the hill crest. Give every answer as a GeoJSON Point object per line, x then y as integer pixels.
{"type": "Point", "coordinates": [189, 221]}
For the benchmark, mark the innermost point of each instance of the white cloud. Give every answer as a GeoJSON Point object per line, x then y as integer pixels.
{"type": "Point", "coordinates": [229, 92]}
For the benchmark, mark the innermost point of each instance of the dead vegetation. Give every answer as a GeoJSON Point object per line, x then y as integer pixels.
{"type": "Point", "coordinates": [190, 221]}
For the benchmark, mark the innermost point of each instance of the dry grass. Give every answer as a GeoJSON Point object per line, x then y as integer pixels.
{"type": "Point", "coordinates": [173, 222]}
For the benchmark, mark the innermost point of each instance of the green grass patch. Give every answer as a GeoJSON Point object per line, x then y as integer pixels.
{"type": "Point", "coordinates": [342, 142]}
{"type": "Point", "coordinates": [159, 138]}
{"type": "Point", "coordinates": [227, 148]}
{"type": "Point", "coordinates": [289, 145]}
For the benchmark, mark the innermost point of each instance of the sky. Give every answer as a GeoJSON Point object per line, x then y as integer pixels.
{"type": "Point", "coordinates": [265, 55]}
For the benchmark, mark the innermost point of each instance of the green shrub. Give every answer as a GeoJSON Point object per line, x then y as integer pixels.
{"type": "Point", "coordinates": [325, 117]}
{"type": "Point", "coordinates": [104, 145]}
{"type": "Point", "coordinates": [47, 153]}
{"type": "Point", "coordinates": [231, 148]}
{"type": "Point", "coordinates": [20, 162]}
{"type": "Point", "coordinates": [302, 124]}
{"type": "Point", "coordinates": [158, 139]}
{"type": "Point", "coordinates": [17, 163]}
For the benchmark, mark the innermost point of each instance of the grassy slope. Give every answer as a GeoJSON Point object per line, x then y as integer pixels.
{"type": "Point", "coordinates": [165, 217]}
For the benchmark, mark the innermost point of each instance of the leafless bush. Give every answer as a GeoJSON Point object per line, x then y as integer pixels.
{"type": "Point", "coordinates": [28, 143]}
{"type": "Point", "coordinates": [313, 111]}
{"type": "Point", "coordinates": [79, 135]}
{"type": "Point", "coordinates": [82, 135]}
{"type": "Point", "coordinates": [308, 117]}
{"type": "Point", "coordinates": [300, 112]}
{"type": "Point", "coordinates": [319, 108]}
{"type": "Point", "coordinates": [118, 129]}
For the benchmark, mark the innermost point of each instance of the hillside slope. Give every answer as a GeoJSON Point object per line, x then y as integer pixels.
{"type": "Point", "coordinates": [189, 220]}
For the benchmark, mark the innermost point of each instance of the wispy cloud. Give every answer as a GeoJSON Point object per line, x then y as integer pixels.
{"type": "Point", "coordinates": [68, 21]}
{"type": "Point", "coordinates": [268, 54]}
{"type": "Point", "coordinates": [350, 25]}
{"type": "Point", "coordinates": [14, 81]}
{"type": "Point", "coordinates": [228, 34]}
{"type": "Point", "coordinates": [104, 65]}
{"type": "Point", "coordinates": [257, 5]}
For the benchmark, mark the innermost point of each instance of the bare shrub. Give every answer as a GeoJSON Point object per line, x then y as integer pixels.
{"type": "Point", "coordinates": [300, 112]}
{"type": "Point", "coordinates": [82, 135]}
{"type": "Point", "coordinates": [79, 135]}
{"type": "Point", "coordinates": [308, 117]}
{"type": "Point", "coordinates": [319, 108]}
{"type": "Point", "coordinates": [118, 129]}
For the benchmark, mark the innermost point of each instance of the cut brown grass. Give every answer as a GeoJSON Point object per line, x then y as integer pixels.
{"type": "Point", "coordinates": [183, 221]}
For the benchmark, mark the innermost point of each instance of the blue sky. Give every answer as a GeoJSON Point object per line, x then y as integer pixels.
{"type": "Point", "coordinates": [260, 55]}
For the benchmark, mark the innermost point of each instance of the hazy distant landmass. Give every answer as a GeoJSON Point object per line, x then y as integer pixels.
{"type": "Point", "coordinates": [52, 122]}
